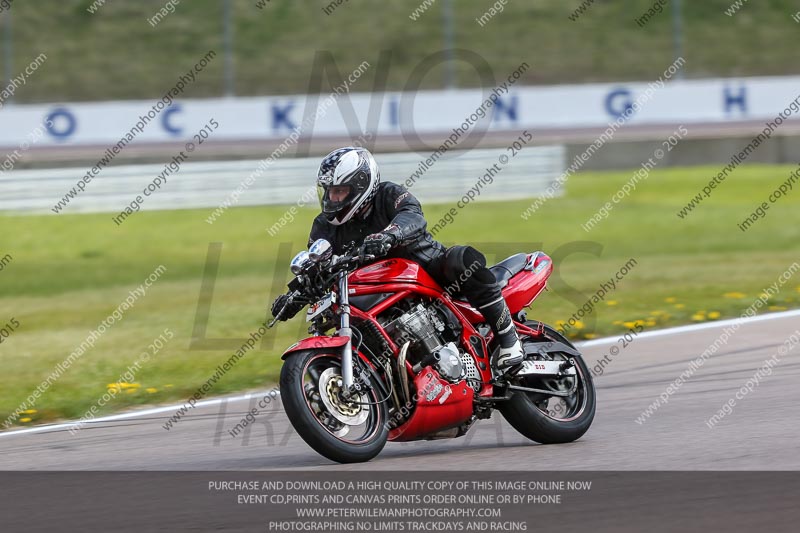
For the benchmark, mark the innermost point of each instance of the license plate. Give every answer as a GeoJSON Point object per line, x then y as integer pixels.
{"type": "Point", "coordinates": [544, 368]}
{"type": "Point", "coordinates": [319, 307]}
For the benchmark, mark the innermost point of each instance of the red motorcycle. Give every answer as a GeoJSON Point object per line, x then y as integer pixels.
{"type": "Point", "coordinates": [394, 357]}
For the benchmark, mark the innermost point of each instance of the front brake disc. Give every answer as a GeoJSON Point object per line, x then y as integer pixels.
{"type": "Point", "coordinates": [351, 414]}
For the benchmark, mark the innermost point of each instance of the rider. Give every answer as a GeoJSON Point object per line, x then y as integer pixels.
{"type": "Point", "coordinates": [384, 218]}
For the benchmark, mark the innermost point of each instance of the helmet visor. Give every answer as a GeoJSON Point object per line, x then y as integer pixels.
{"type": "Point", "coordinates": [336, 198]}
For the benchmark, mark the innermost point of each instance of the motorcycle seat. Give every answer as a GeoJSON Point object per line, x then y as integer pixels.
{"type": "Point", "coordinates": [508, 267]}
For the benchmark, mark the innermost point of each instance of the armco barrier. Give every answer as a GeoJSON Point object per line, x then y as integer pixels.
{"type": "Point", "coordinates": [286, 181]}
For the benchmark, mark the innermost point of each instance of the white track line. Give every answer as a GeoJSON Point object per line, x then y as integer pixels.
{"type": "Point", "coordinates": [696, 327]}
{"type": "Point", "coordinates": [132, 414]}
{"type": "Point", "coordinates": [594, 342]}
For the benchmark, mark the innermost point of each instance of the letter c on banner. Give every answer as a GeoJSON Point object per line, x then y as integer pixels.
{"type": "Point", "coordinates": [63, 128]}
{"type": "Point", "coordinates": [615, 98]}
{"type": "Point", "coordinates": [166, 117]}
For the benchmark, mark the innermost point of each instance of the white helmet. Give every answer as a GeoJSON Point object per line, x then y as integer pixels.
{"type": "Point", "coordinates": [352, 175]}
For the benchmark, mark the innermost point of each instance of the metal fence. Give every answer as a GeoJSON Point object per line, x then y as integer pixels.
{"type": "Point", "coordinates": [286, 181]}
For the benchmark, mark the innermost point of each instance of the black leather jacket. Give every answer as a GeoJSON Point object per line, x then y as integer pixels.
{"type": "Point", "coordinates": [392, 206]}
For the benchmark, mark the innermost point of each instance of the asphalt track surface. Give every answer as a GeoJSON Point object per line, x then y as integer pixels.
{"type": "Point", "coordinates": [760, 433]}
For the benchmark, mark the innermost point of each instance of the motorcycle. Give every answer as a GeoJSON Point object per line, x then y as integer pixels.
{"type": "Point", "coordinates": [394, 357]}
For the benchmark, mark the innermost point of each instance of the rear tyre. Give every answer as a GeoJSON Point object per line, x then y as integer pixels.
{"type": "Point", "coordinates": [345, 432]}
{"type": "Point", "coordinates": [551, 419]}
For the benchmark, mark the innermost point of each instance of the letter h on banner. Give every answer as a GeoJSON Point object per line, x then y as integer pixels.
{"type": "Point", "coordinates": [731, 100]}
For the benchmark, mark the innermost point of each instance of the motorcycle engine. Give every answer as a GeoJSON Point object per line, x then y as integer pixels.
{"type": "Point", "coordinates": [431, 331]}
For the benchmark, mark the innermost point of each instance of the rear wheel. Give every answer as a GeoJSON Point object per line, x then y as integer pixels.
{"type": "Point", "coordinates": [346, 431]}
{"type": "Point", "coordinates": [552, 418]}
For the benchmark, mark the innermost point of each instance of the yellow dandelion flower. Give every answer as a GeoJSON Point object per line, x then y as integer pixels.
{"type": "Point", "coordinates": [617, 322]}
{"type": "Point", "coordinates": [589, 335]}
{"type": "Point", "coordinates": [25, 419]}
{"type": "Point", "coordinates": [29, 411]}
{"type": "Point", "coordinates": [679, 306]}
{"type": "Point", "coordinates": [671, 300]}
{"type": "Point", "coordinates": [131, 391]}
{"type": "Point", "coordinates": [629, 324]}
{"type": "Point", "coordinates": [169, 385]}
{"type": "Point", "coordinates": [734, 294]}
{"type": "Point", "coordinates": [777, 308]}
{"type": "Point", "coordinates": [579, 324]}
{"type": "Point", "coordinates": [797, 288]}
{"type": "Point", "coordinates": [611, 302]}
{"type": "Point", "coordinates": [698, 317]}
{"type": "Point", "coordinates": [650, 323]}
{"type": "Point", "coordinates": [151, 390]}
{"type": "Point", "coordinates": [713, 315]}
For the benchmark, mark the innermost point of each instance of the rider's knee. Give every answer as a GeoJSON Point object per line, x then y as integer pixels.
{"type": "Point", "coordinates": [468, 265]}
{"type": "Point", "coordinates": [460, 258]}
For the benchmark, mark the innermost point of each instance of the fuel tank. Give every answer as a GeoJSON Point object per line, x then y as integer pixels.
{"type": "Point", "coordinates": [393, 270]}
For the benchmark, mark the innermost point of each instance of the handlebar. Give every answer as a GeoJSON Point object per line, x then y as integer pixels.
{"type": "Point", "coordinates": [336, 265]}
{"type": "Point", "coordinates": [349, 259]}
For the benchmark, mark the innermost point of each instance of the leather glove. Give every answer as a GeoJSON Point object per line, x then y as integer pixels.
{"type": "Point", "coordinates": [291, 308]}
{"type": "Point", "coordinates": [378, 244]}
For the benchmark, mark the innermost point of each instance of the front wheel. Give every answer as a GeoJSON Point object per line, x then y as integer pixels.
{"type": "Point", "coordinates": [346, 431]}
{"type": "Point", "coordinates": [548, 418]}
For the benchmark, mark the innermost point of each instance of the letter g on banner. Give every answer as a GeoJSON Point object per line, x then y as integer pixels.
{"type": "Point", "coordinates": [618, 102]}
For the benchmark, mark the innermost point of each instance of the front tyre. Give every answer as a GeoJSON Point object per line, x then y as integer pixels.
{"type": "Point", "coordinates": [343, 431]}
{"type": "Point", "coordinates": [549, 419]}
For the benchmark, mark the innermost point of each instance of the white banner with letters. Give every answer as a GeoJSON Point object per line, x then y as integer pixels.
{"type": "Point", "coordinates": [392, 113]}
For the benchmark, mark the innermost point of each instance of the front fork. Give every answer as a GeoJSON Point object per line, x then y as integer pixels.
{"type": "Point", "coordinates": [345, 331]}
